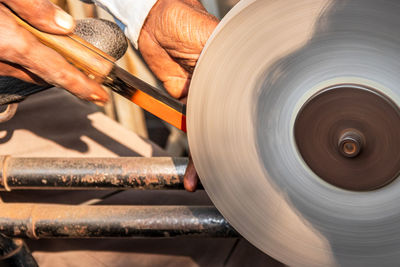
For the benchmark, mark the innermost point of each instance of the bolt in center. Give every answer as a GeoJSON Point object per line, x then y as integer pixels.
{"type": "Point", "coordinates": [350, 143]}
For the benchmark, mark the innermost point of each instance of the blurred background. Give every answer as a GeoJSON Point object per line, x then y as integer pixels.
{"type": "Point", "coordinates": [126, 113]}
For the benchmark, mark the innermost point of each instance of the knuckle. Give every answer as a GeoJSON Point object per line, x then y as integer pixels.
{"type": "Point", "coordinates": [9, 39]}
{"type": "Point", "coordinates": [23, 48]}
{"type": "Point", "coordinates": [14, 48]}
{"type": "Point", "coordinates": [70, 81]}
{"type": "Point", "coordinates": [61, 78]}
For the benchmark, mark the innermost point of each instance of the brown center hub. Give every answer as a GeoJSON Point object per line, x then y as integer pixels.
{"type": "Point", "coordinates": [349, 136]}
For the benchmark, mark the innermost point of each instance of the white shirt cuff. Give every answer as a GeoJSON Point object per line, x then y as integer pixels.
{"type": "Point", "coordinates": [131, 13]}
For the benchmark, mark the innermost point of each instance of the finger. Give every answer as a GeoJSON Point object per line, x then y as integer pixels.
{"type": "Point", "coordinates": [196, 4]}
{"type": "Point", "coordinates": [178, 87]}
{"type": "Point", "coordinates": [174, 77]}
{"type": "Point", "coordinates": [184, 100]}
{"type": "Point", "coordinates": [54, 69]}
{"type": "Point", "coordinates": [43, 15]}
{"type": "Point", "coordinates": [14, 70]}
{"type": "Point", "coordinates": [191, 178]}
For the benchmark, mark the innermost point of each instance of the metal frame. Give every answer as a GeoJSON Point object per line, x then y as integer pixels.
{"type": "Point", "coordinates": [20, 220]}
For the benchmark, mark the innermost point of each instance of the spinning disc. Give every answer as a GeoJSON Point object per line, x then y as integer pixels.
{"type": "Point", "coordinates": [292, 123]}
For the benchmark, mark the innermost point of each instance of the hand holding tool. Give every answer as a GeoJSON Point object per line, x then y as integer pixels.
{"type": "Point", "coordinates": [101, 67]}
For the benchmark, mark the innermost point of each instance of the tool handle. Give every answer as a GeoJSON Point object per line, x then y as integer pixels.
{"type": "Point", "coordinates": [93, 62]}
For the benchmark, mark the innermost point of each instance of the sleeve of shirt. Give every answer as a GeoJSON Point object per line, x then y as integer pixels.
{"type": "Point", "coordinates": [130, 13]}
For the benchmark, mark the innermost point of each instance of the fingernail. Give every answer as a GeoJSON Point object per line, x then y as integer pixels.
{"type": "Point", "coordinates": [64, 20]}
{"type": "Point", "coordinates": [98, 103]}
{"type": "Point", "coordinates": [95, 97]}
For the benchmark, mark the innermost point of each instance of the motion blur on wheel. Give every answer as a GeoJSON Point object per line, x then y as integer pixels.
{"type": "Point", "coordinates": [281, 120]}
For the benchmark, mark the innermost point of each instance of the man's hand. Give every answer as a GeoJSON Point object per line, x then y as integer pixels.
{"type": "Point", "coordinates": [172, 39]}
{"type": "Point", "coordinates": [24, 57]}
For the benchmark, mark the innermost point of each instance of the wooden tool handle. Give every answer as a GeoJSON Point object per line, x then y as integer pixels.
{"type": "Point", "coordinates": [93, 62]}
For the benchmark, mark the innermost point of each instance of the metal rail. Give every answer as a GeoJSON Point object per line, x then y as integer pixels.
{"type": "Point", "coordinates": [65, 221]}
{"type": "Point", "coordinates": [91, 173]}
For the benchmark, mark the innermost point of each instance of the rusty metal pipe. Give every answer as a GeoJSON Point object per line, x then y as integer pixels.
{"type": "Point", "coordinates": [65, 221]}
{"type": "Point", "coordinates": [91, 173]}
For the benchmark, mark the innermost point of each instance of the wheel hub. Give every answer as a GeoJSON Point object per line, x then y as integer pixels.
{"type": "Point", "coordinates": [348, 136]}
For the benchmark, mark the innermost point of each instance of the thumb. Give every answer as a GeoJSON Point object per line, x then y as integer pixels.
{"type": "Point", "coordinates": [43, 15]}
{"type": "Point", "coordinates": [177, 87]}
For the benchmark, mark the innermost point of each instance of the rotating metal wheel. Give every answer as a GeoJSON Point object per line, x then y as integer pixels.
{"type": "Point", "coordinates": [293, 122]}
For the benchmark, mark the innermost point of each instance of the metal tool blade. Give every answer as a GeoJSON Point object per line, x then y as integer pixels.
{"type": "Point", "coordinates": [264, 61]}
{"type": "Point", "coordinates": [152, 99]}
